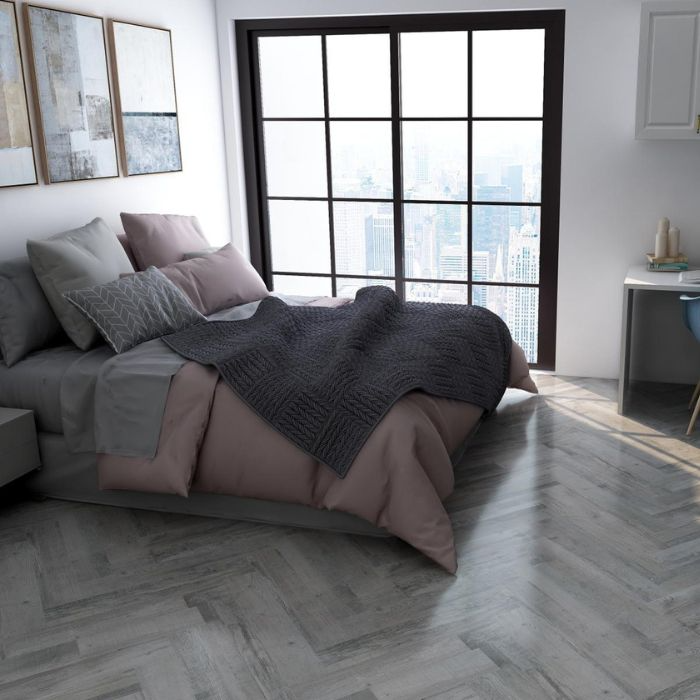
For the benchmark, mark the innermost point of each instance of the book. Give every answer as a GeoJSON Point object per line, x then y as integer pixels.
{"type": "Point", "coordinates": [667, 267]}
{"type": "Point", "coordinates": [668, 260]}
{"type": "Point", "coordinates": [689, 277]}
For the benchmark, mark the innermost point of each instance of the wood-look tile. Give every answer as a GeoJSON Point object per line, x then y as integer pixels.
{"type": "Point", "coordinates": [578, 538]}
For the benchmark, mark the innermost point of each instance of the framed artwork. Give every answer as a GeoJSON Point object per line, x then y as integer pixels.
{"type": "Point", "coordinates": [16, 148]}
{"type": "Point", "coordinates": [146, 99]}
{"type": "Point", "coordinates": [71, 83]}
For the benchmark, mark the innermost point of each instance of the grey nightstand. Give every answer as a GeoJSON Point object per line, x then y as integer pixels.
{"type": "Point", "coordinates": [19, 450]}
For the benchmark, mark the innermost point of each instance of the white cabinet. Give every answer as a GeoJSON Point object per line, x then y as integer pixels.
{"type": "Point", "coordinates": [668, 90]}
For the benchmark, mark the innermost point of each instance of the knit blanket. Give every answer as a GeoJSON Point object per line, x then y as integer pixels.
{"type": "Point", "coordinates": [325, 377]}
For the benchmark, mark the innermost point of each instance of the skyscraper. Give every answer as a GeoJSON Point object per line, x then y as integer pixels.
{"type": "Point", "coordinates": [522, 302]}
{"type": "Point", "coordinates": [496, 299]}
{"type": "Point", "coordinates": [480, 272]}
{"type": "Point", "coordinates": [349, 225]}
{"type": "Point", "coordinates": [379, 243]}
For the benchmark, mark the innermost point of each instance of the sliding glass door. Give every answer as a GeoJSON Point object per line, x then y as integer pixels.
{"type": "Point", "coordinates": [417, 152]}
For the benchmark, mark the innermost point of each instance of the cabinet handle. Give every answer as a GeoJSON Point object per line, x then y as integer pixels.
{"type": "Point", "coordinates": [697, 125]}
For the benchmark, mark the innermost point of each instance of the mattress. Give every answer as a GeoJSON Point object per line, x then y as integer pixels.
{"type": "Point", "coordinates": [35, 384]}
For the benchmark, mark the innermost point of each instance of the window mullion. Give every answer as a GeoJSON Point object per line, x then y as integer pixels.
{"type": "Point", "coordinates": [470, 159]}
{"type": "Point", "coordinates": [394, 53]}
{"type": "Point", "coordinates": [329, 171]}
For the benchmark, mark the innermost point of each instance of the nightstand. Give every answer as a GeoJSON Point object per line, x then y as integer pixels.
{"type": "Point", "coordinates": [19, 450]}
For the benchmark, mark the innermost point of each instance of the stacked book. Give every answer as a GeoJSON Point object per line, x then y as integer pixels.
{"type": "Point", "coordinates": [675, 264]}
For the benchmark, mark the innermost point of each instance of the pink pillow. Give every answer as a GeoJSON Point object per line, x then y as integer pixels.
{"type": "Point", "coordinates": [162, 239]}
{"type": "Point", "coordinates": [217, 281]}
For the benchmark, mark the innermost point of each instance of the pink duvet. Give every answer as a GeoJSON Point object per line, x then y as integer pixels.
{"type": "Point", "coordinates": [213, 442]}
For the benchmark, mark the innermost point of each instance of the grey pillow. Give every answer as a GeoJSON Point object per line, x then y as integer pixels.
{"type": "Point", "coordinates": [26, 320]}
{"type": "Point", "coordinates": [83, 257]}
{"type": "Point", "coordinates": [136, 308]}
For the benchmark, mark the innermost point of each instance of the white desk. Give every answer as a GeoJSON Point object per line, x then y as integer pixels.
{"type": "Point", "coordinates": [639, 278]}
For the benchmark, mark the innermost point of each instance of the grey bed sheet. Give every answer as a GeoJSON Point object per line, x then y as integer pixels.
{"type": "Point", "coordinates": [102, 402]}
{"type": "Point", "coordinates": [117, 408]}
{"type": "Point", "coordinates": [34, 384]}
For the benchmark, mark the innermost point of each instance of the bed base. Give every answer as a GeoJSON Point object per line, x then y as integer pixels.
{"type": "Point", "coordinates": [73, 477]}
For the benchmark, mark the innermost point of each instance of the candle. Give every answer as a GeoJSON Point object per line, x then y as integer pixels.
{"type": "Point", "coordinates": [674, 242]}
{"type": "Point", "coordinates": [661, 245]}
{"type": "Point", "coordinates": [663, 225]}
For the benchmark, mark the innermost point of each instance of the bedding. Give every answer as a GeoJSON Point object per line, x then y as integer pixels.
{"type": "Point", "coordinates": [115, 403]}
{"type": "Point", "coordinates": [136, 308]}
{"type": "Point", "coordinates": [162, 239]}
{"type": "Point", "coordinates": [27, 322]}
{"type": "Point", "coordinates": [35, 383]}
{"type": "Point", "coordinates": [127, 249]}
{"type": "Point", "coordinates": [82, 257]}
{"type": "Point", "coordinates": [209, 440]}
{"type": "Point", "coordinates": [324, 378]}
{"type": "Point", "coordinates": [218, 280]}
{"type": "Point", "coordinates": [398, 481]}
{"type": "Point", "coordinates": [201, 253]}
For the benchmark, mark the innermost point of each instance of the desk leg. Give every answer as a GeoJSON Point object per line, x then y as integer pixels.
{"type": "Point", "coordinates": [625, 347]}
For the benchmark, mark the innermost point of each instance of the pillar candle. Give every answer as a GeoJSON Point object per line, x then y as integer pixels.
{"type": "Point", "coordinates": [674, 242]}
{"type": "Point", "coordinates": [661, 245]}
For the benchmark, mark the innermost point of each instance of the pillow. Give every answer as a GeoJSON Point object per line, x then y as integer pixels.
{"type": "Point", "coordinates": [134, 309]}
{"type": "Point", "coordinates": [26, 320]}
{"type": "Point", "coordinates": [76, 259]}
{"type": "Point", "coordinates": [217, 281]}
{"type": "Point", "coordinates": [201, 253]}
{"type": "Point", "coordinates": [162, 239]}
{"type": "Point", "coordinates": [127, 249]}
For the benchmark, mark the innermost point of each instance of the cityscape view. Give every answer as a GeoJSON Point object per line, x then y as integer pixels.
{"type": "Point", "coordinates": [505, 212]}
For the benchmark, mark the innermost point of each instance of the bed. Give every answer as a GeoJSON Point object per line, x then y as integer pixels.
{"type": "Point", "coordinates": [270, 480]}
{"type": "Point", "coordinates": [148, 428]}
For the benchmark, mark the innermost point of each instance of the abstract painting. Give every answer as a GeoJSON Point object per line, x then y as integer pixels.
{"type": "Point", "coordinates": [69, 59]}
{"type": "Point", "coordinates": [146, 100]}
{"type": "Point", "coordinates": [16, 151]}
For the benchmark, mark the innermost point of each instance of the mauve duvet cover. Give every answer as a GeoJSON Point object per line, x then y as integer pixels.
{"type": "Point", "coordinates": [211, 441]}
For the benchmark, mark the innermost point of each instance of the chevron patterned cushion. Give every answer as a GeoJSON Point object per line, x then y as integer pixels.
{"type": "Point", "coordinates": [134, 309]}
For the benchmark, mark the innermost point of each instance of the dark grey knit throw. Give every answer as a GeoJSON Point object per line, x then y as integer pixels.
{"type": "Point", "coordinates": [325, 377]}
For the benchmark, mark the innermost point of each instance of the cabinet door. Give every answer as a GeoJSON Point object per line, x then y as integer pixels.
{"type": "Point", "coordinates": [668, 93]}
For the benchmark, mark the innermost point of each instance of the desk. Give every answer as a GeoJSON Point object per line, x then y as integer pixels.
{"type": "Point", "coordinates": [639, 278]}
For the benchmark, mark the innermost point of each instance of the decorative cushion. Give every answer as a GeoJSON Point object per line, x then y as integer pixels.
{"type": "Point", "coordinates": [127, 249]}
{"type": "Point", "coordinates": [75, 259]}
{"type": "Point", "coordinates": [217, 281]}
{"type": "Point", "coordinates": [26, 320]}
{"type": "Point", "coordinates": [162, 239]}
{"type": "Point", "coordinates": [201, 253]}
{"type": "Point", "coordinates": [134, 309]}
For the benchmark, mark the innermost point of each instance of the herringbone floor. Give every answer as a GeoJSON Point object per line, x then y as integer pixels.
{"type": "Point", "coordinates": [578, 534]}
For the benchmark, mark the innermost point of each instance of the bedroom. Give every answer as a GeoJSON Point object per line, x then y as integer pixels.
{"type": "Point", "coordinates": [575, 529]}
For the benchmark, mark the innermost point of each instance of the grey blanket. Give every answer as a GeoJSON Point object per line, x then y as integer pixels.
{"type": "Point", "coordinates": [324, 378]}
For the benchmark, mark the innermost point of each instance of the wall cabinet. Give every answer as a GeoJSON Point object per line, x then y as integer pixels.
{"type": "Point", "coordinates": [668, 90]}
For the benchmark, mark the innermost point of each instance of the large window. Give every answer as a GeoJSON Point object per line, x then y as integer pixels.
{"type": "Point", "coordinates": [416, 151]}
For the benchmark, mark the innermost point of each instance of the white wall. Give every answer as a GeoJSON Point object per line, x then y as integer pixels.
{"type": "Point", "coordinates": [201, 188]}
{"type": "Point", "coordinates": [614, 188]}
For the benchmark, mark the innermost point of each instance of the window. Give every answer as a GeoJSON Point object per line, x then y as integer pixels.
{"type": "Point", "coordinates": [418, 151]}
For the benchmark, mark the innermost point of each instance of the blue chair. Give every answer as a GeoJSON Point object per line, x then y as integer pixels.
{"type": "Point", "coordinates": [691, 318]}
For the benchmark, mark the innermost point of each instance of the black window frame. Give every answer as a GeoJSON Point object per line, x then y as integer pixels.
{"type": "Point", "coordinates": [552, 21]}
